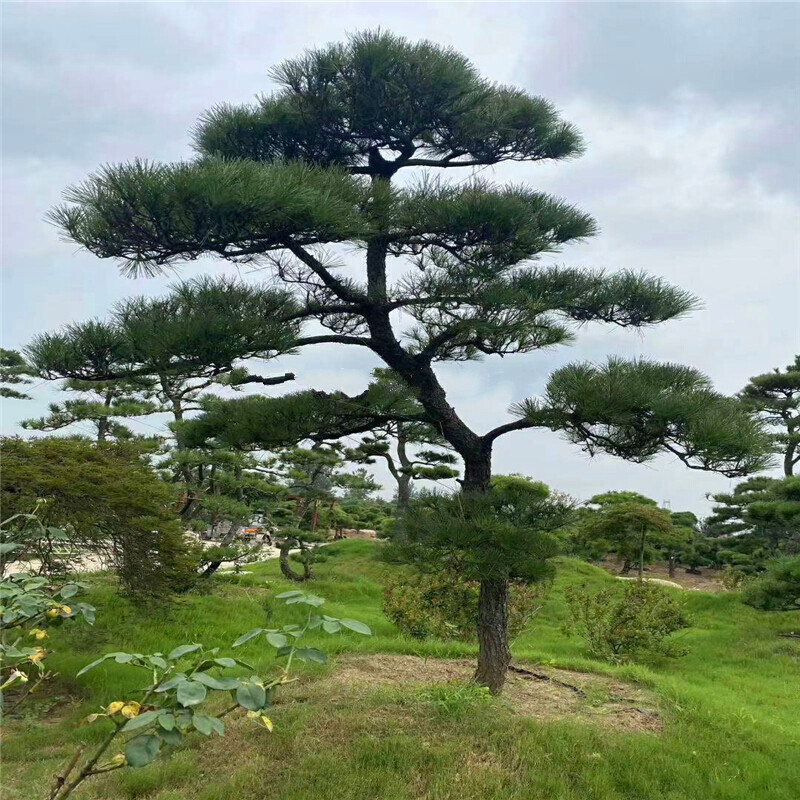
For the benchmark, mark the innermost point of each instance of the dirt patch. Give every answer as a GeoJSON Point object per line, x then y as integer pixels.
{"type": "Point", "coordinates": [531, 690]}
{"type": "Point", "coordinates": [709, 580]}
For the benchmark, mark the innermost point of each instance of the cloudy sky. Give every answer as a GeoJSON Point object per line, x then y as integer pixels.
{"type": "Point", "coordinates": [690, 112]}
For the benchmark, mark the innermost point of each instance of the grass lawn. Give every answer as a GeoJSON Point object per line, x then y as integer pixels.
{"type": "Point", "coordinates": [731, 708]}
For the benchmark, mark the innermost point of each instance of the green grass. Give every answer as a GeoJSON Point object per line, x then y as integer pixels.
{"type": "Point", "coordinates": [732, 708]}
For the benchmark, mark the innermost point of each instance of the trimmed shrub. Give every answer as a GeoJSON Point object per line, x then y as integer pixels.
{"type": "Point", "coordinates": [626, 622]}
{"type": "Point", "coordinates": [445, 605]}
{"type": "Point", "coordinates": [778, 589]}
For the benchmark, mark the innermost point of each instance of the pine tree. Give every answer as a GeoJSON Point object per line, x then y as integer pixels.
{"type": "Point", "coordinates": [102, 404]}
{"type": "Point", "coordinates": [776, 396]}
{"type": "Point", "coordinates": [760, 517]}
{"type": "Point", "coordinates": [14, 370]}
{"type": "Point", "coordinates": [305, 175]}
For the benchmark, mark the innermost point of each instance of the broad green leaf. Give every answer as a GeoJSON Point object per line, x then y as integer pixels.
{"type": "Point", "coordinates": [225, 662]}
{"type": "Point", "coordinates": [157, 661]}
{"type": "Point", "coordinates": [244, 664]}
{"type": "Point", "coordinates": [7, 547]}
{"type": "Point", "coordinates": [141, 750]}
{"type": "Point", "coordinates": [277, 639]}
{"type": "Point", "coordinates": [70, 590]}
{"type": "Point", "coordinates": [123, 658]}
{"type": "Point", "coordinates": [331, 626]}
{"type": "Point", "coordinates": [183, 650]}
{"type": "Point", "coordinates": [166, 719]}
{"type": "Point", "coordinates": [222, 684]}
{"type": "Point", "coordinates": [202, 723]}
{"type": "Point", "coordinates": [310, 654]}
{"type": "Point", "coordinates": [251, 696]}
{"type": "Point", "coordinates": [247, 637]}
{"type": "Point", "coordinates": [355, 625]}
{"type": "Point", "coordinates": [172, 737]}
{"type": "Point", "coordinates": [190, 693]}
{"type": "Point", "coordinates": [173, 682]}
{"type": "Point", "coordinates": [91, 666]}
{"type": "Point", "coordinates": [218, 726]}
{"type": "Point", "coordinates": [141, 721]}
{"type": "Point", "coordinates": [286, 595]}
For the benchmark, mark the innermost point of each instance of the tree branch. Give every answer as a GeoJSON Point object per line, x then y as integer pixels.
{"type": "Point", "coordinates": [287, 376]}
{"type": "Point", "coordinates": [340, 289]}
{"type": "Point", "coordinates": [517, 425]}
{"type": "Point", "coordinates": [335, 339]}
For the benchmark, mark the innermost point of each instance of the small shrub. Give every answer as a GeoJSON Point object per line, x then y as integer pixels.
{"type": "Point", "coordinates": [733, 578]}
{"type": "Point", "coordinates": [623, 623]}
{"type": "Point", "coordinates": [445, 606]}
{"type": "Point", "coordinates": [778, 589]}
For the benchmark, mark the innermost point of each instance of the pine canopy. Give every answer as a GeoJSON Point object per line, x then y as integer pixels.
{"type": "Point", "coordinates": [301, 181]}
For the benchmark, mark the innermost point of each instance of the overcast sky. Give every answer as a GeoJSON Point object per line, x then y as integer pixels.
{"type": "Point", "coordinates": [690, 112]}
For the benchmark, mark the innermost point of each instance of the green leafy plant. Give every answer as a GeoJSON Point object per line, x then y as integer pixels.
{"type": "Point", "coordinates": [778, 589]}
{"type": "Point", "coordinates": [286, 640]}
{"type": "Point", "coordinates": [628, 622]}
{"type": "Point", "coordinates": [445, 605]}
{"type": "Point", "coordinates": [28, 606]}
{"type": "Point", "coordinates": [176, 701]}
{"type": "Point", "coordinates": [733, 578]}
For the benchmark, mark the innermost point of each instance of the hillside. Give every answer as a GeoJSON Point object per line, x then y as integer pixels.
{"type": "Point", "coordinates": [395, 721]}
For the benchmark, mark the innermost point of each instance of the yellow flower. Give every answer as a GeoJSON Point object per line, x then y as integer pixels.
{"type": "Point", "coordinates": [131, 709]}
{"type": "Point", "coordinates": [38, 633]}
{"type": "Point", "coordinates": [116, 706]}
{"type": "Point", "coordinates": [66, 609]}
{"type": "Point", "coordinates": [37, 656]}
{"type": "Point", "coordinates": [119, 758]}
{"type": "Point", "coordinates": [94, 717]}
{"type": "Point", "coordinates": [52, 613]}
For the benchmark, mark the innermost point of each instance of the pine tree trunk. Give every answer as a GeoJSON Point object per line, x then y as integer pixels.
{"type": "Point", "coordinates": [672, 565]}
{"type": "Point", "coordinates": [626, 567]}
{"type": "Point", "coordinates": [286, 567]}
{"type": "Point", "coordinates": [494, 654]}
{"type": "Point", "coordinates": [788, 460]}
{"type": "Point", "coordinates": [403, 492]}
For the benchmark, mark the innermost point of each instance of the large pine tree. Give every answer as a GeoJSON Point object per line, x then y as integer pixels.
{"type": "Point", "coordinates": [306, 181]}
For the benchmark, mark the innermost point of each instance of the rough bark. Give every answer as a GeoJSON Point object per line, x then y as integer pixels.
{"type": "Point", "coordinates": [494, 654]}
{"type": "Point", "coordinates": [789, 459]}
{"type": "Point", "coordinates": [403, 491]}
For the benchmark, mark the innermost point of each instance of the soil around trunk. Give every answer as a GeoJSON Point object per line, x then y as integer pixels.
{"type": "Point", "coordinates": [531, 690]}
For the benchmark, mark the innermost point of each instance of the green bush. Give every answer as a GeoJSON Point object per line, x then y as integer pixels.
{"type": "Point", "coordinates": [778, 589]}
{"type": "Point", "coordinates": [733, 578]}
{"type": "Point", "coordinates": [626, 622]}
{"type": "Point", "coordinates": [445, 605]}
{"type": "Point", "coordinates": [106, 500]}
